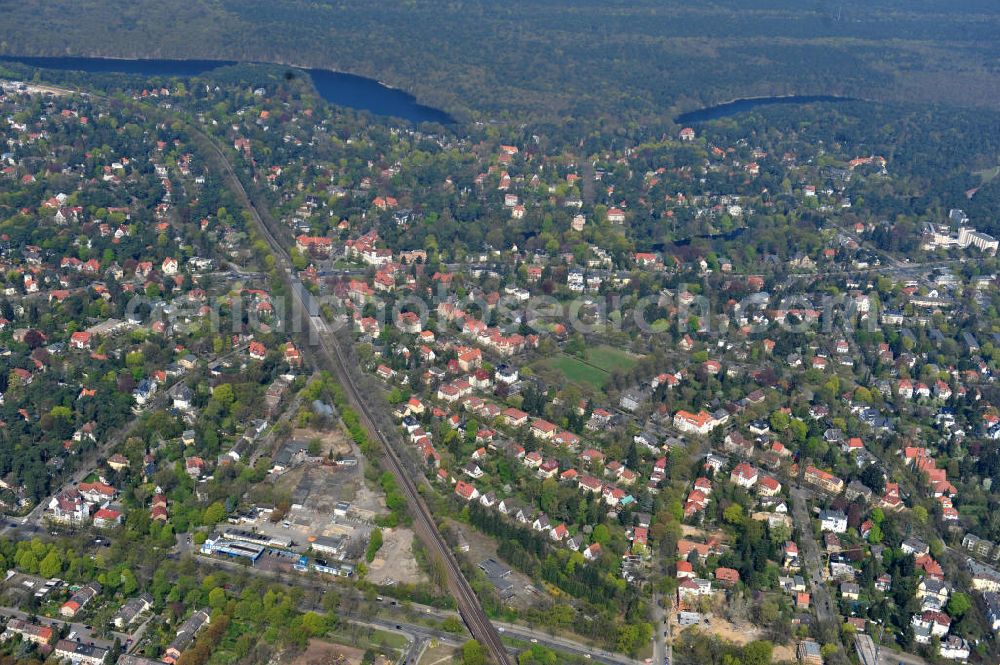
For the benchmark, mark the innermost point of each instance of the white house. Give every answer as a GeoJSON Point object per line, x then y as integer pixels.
{"type": "Point", "coordinates": [930, 624]}
{"type": "Point", "coordinates": [694, 587]}
{"type": "Point", "coordinates": [954, 648]}
{"type": "Point", "coordinates": [833, 520]}
{"type": "Point", "coordinates": [744, 475]}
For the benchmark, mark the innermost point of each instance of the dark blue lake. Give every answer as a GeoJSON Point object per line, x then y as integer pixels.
{"type": "Point", "coordinates": [743, 105]}
{"type": "Point", "coordinates": [356, 92]}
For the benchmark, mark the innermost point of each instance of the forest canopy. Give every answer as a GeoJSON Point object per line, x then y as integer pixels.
{"type": "Point", "coordinates": [573, 58]}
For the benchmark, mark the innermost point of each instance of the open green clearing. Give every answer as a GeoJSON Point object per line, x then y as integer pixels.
{"type": "Point", "coordinates": [988, 175]}
{"type": "Point", "coordinates": [594, 369]}
{"type": "Point", "coordinates": [440, 654]}
{"type": "Point", "coordinates": [609, 358]}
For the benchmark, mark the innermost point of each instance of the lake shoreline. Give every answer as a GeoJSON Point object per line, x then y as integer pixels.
{"type": "Point", "coordinates": [336, 87]}
{"type": "Point", "coordinates": [743, 104]}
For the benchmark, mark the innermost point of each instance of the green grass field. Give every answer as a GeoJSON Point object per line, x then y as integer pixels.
{"type": "Point", "coordinates": [609, 358]}
{"type": "Point", "coordinates": [988, 175]}
{"type": "Point", "coordinates": [576, 371]}
{"type": "Point", "coordinates": [593, 370]}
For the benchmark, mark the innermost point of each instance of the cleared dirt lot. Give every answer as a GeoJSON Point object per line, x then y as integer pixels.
{"type": "Point", "coordinates": [702, 535]}
{"type": "Point", "coordinates": [395, 561]}
{"type": "Point", "coordinates": [333, 440]}
{"type": "Point", "coordinates": [319, 487]}
{"type": "Point", "coordinates": [737, 634]}
{"type": "Point", "coordinates": [315, 490]}
{"type": "Point", "coordinates": [328, 653]}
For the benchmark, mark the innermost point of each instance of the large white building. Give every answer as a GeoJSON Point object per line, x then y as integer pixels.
{"type": "Point", "coordinates": [936, 236]}
{"type": "Point", "coordinates": [833, 520]}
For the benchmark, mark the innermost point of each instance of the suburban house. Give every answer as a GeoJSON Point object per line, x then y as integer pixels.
{"type": "Point", "coordinates": [185, 636]}
{"type": "Point", "coordinates": [823, 480]}
{"type": "Point", "coordinates": [744, 475]}
{"type": "Point", "coordinates": [79, 652]}
{"type": "Point", "coordinates": [28, 631]}
{"type": "Point", "coordinates": [80, 599]}
{"type": "Point", "coordinates": [833, 520]}
{"type": "Point", "coordinates": [695, 423]}
{"type": "Point", "coordinates": [131, 610]}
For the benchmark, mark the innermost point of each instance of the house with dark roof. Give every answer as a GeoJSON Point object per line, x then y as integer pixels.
{"type": "Point", "coordinates": [185, 636]}
{"type": "Point", "coordinates": [79, 652]}
{"type": "Point", "coordinates": [131, 610]}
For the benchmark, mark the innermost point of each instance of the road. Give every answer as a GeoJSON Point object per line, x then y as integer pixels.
{"type": "Point", "coordinates": [83, 633]}
{"type": "Point", "coordinates": [415, 636]}
{"type": "Point", "coordinates": [514, 631]}
{"type": "Point", "coordinates": [330, 355]}
{"type": "Point", "coordinates": [888, 657]}
{"type": "Point", "coordinates": [893, 261]}
{"type": "Point", "coordinates": [826, 611]}
{"type": "Point", "coordinates": [36, 88]}
{"type": "Point", "coordinates": [137, 635]}
{"type": "Point", "coordinates": [559, 644]}
{"type": "Point", "coordinates": [418, 631]}
{"type": "Point", "coordinates": [416, 653]}
{"type": "Point", "coordinates": [33, 524]}
{"type": "Point", "coordinates": [662, 639]}
{"type": "Point", "coordinates": [865, 648]}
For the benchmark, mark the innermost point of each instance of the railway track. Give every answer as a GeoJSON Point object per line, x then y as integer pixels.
{"type": "Point", "coordinates": [424, 525]}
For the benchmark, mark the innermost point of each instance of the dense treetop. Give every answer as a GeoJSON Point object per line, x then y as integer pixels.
{"type": "Point", "coordinates": [637, 59]}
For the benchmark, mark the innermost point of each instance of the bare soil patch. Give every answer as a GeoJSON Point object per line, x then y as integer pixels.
{"type": "Point", "coordinates": [741, 633]}
{"type": "Point", "coordinates": [333, 440]}
{"type": "Point", "coordinates": [395, 561]}
{"type": "Point", "coordinates": [328, 653]}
